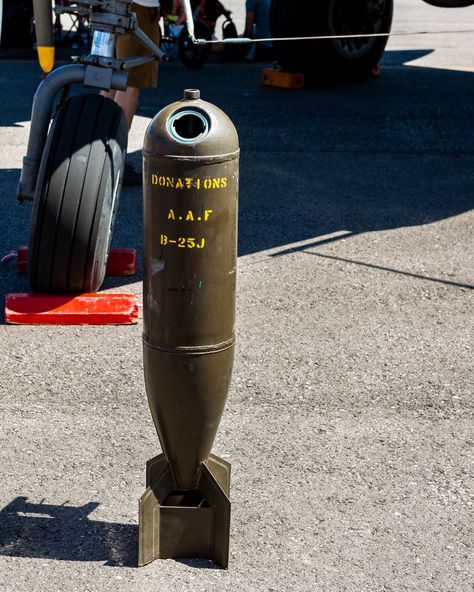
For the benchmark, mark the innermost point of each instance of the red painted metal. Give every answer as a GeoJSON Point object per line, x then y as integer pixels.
{"type": "Point", "coordinates": [22, 260]}
{"type": "Point", "coordinates": [120, 261]}
{"type": "Point", "coordinates": [67, 309]}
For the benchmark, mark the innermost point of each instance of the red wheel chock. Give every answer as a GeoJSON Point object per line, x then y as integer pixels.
{"type": "Point", "coordinates": [67, 309]}
{"type": "Point", "coordinates": [79, 309]}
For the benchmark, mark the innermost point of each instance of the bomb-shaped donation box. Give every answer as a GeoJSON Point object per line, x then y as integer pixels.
{"type": "Point", "coordinates": [190, 183]}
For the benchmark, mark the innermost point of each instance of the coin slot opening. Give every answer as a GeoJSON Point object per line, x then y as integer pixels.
{"type": "Point", "coordinates": [188, 126]}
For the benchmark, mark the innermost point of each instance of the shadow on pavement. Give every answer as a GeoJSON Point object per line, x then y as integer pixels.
{"type": "Point", "coordinates": [382, 268]}
{"type": "Point", "coordinates": [390, 152]}
{"type": "Point", "coordinates": [65, 533]}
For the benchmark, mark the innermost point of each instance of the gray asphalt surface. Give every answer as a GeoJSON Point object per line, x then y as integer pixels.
{"type": "Point", "coordinates": [349, 423]}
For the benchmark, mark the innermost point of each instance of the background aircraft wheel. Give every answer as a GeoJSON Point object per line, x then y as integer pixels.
{"type": "Point", "coordinates": [77, 196]}
{"type": "Point", "coordinates": [192, 55]}
{"type": "Point", "coordinates": [342, 59]}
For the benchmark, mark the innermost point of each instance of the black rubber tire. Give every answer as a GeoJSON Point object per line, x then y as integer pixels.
{"type": "Point", "coordinates": [450, 3]}
{"type": "Point", "coordinates": [331, 58]}
{"type": "Point", "coordinates": [194, 56]}
{"type": "Point", "coordinates": [77, 196]}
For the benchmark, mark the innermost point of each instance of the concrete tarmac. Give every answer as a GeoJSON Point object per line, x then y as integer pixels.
{"type": "Point", "coordinates": [349, 424]}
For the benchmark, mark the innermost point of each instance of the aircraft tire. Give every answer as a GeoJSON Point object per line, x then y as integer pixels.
{"type": "Point", "coordinates": [339, 60]}
{"type": "Point", "coordinates": [77, 195]}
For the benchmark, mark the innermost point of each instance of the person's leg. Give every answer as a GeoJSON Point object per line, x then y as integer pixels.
{"type": "Point", "coordinates": [110, 94]}
{"type": "Point", "coordinates": [144, 76]}
{"type": "Point", "coordinates": [128, 100]}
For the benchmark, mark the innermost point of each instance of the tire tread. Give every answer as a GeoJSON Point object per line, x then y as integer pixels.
{"type": "Point", "coordinates": [66, 251]}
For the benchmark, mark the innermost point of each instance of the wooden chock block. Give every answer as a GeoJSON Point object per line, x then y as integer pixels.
{"type": "Point", "coordinates": [282, 79]}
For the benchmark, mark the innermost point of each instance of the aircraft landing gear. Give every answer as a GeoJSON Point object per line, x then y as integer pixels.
{"type": "Point", "coordinates": [76, 197]}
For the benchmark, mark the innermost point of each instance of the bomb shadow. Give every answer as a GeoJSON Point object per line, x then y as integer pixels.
{"type": "Point", "coordinates": [65, 533]}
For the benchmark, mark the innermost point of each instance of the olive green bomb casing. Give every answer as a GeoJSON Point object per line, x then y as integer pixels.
{"type": "Point", "coordinates": [190, 183]}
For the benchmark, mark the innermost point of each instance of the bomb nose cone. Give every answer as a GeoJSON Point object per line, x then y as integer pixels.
{"type": "Point", "coordinates": [191, 94]}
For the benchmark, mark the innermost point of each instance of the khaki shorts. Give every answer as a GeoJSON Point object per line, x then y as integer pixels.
{"type": "Point", "coordinates": [128, 45]}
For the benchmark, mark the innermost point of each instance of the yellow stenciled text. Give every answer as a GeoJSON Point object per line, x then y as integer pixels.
{"type": "Point", "coordinates": [190, 216]}
{"type": "Point", "coordinates": [168, 182]}
{"type": "Point", "coordinates": [183, 242]}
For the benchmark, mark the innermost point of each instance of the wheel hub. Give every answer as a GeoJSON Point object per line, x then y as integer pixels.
{"type": "Point", "coordinates": [355, 17]}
